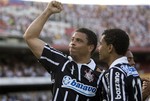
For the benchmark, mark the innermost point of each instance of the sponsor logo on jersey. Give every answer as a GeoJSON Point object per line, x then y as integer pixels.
{"type": "Point", "coordinates": [133, 71]}
{"type": "Point", "coordinates": [81, 88]}
{"type": "Point", "coordinates": [117, 85]}
{"type": "Point", "coordinates": [130, 70]}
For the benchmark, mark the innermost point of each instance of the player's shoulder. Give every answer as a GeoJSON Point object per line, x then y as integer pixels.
{"type": "Point", "coordinates": [127, 69]}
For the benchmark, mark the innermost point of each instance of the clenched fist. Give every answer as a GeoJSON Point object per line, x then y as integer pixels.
{"type": "Point", "coordinates": [54, 7]}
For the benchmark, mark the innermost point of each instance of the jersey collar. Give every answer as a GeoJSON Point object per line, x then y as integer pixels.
{"type": "Point", "coordinates": [119, 61]}
{"type": "Point", "coordinates": [91, 64]}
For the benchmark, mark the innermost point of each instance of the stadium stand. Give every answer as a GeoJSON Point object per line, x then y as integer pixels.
{"type": "Point", "coordinates": [16, 15]}
{"type": "Point", "coordinates": [133, 19]}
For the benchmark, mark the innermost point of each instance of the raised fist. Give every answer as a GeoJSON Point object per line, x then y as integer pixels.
{"type": "Point", "coordinates": [54, 7]}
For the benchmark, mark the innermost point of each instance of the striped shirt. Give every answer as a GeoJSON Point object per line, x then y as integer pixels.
{"type": "Point", "coordinates": [121, 82]}
{"type": "Point", "coordinates": [73, 81]}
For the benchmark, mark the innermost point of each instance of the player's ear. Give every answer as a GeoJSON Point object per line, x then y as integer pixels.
{"type": "Point", "coordinates": [91, 47]}
{"type": "Point", "coordinates": [110, 48]}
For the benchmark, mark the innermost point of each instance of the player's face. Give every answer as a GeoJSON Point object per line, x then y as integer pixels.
{"type": "Point", "coordinates": [130, 58]}
{"type": "Point", "coordinates": [78, 46]}
{"type": "Point", "coordinates": [103, 50]}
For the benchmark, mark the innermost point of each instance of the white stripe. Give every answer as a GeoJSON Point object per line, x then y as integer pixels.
{"type": "Point", "coordinates": [135, 95]}
{"type": "Point", "coordinates": [88, 100]}
{"type": "Point", "coordinates": [54, 51]}
{"type": "Point", "coordinates": [49, 60]}
{"type": "Point", "coordinates": [123, 87]}
{"type": "Point", "coordinates": [133, 85]}
{"type": "Point", "coordinates": [56, 94]}
{"type": "Point", "coordinates": [66, 94]}
{"type": "Point", "coordinates": [79, 71]}
{"type": "Point", "coordinates": [111, 86]}
{"type": "Point", "coordinates": [77, 97]}
{"type": "Point", "coordinates": [139, 83]}
{"type": "Point", "coordinates": [72, 69]}
{"type": "Point", "coordinates": [64, 66]}
{"type": "Point", "coordinates": [105, 86]}
{"type": "Point", "coordinates": [100, 77]}
{"type": "Point", "coordinates": [104, 83]}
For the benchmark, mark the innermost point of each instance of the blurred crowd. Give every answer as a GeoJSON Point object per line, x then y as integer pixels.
{"type": "Point", "coordinates": [21, 67]}
{"type": "Point", "coordinates": [15, 19]}
{"type": "Point", "coordinates": [28, 96]}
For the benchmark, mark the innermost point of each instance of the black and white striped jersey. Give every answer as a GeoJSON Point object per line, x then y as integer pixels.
{"type": "Point", "coordinates": [121, 82]}
{"type": "Point", "coordinates": [73, 82]}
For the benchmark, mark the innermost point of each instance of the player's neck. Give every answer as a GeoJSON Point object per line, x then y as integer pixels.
{"type": "Point", "coordinates": [82, 60]}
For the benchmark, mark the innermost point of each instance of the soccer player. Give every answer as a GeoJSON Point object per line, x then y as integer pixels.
{"type": "Point", "coordinates": [120, 82]}
{"type": "Point", "coordinates": [76, 78]}
{"type": "Point", "coordinates": [146, 81]}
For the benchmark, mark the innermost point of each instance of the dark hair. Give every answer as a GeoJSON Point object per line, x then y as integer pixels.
{"type": "Point", "coordinates": [91, 37]}
{"type": "Point", "coordinates": [118, 38]}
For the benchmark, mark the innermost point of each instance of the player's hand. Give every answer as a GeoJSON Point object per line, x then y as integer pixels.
{"type": "Point", "coordinates": [145, 79]}
{"type": "Point", "coordinates": [54, 7]}
{"type": "Point", "coordinates": [146, 84]}
{"type": "Point", "coordinates": [145, 88]}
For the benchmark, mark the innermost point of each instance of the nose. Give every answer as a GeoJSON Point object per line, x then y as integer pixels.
{"type": "Point", "coordinates": [98, 47]}
{"type": "Point", "coordinates": [72, 43]}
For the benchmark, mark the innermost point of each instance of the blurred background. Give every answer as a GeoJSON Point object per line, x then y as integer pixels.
{"type": "Point", "coordinates": [22, 78]}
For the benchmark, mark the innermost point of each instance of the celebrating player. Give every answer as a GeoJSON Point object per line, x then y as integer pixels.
{"type": "Point", "coordinates": [76, 78]}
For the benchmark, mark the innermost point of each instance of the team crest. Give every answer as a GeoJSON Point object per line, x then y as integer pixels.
{"type": "Point", "coordinates": [89, 75]}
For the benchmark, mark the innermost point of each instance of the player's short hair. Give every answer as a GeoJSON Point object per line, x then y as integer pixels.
{"type": "Point", "coordinates": [118, 38]}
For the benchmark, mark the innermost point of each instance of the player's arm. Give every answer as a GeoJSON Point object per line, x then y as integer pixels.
{"type": "Point", "coordinates": [32, 34]}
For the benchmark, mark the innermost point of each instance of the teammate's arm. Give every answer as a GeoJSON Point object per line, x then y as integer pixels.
{"type": "Point", "coordinates": [32, 34]}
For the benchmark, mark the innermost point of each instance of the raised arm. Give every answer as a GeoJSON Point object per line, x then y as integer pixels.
{"type": "Point", "coordinates": [32, 33]}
